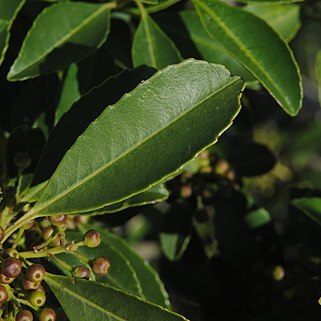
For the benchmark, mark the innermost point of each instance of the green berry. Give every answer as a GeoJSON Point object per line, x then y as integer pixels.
{"type": "Point", "coordinates": [3, 294]}
{"type": "Point", "coordinates": [100, 265]}
{"type": "Point", "coordinates": [35, 272]}
{"type": "Point", "coordinates": [29, 285]}
{"type": "Point", "coordinates": [81, 272]}
{"type": "Point", "coordinates": [5, 280]}
{"type": "Point", "coordinates": [22, 160]}
{"type": "Point", "coordinates": [11, 267]}
{"type": "Point", "coordinates": [37, 299]}
{"type": "Point", "coordinates": [24, 315]}
{"type": "Point", "coordinates": [92, 239]}
{"type": "Point", "coordinates": [47, 314]}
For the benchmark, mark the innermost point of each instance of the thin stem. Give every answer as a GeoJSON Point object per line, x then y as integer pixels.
{"type": "Point", "coordinates": [19, 223]}
{"type": "Point", "coordinates": [80, 257]}
{"type": "Point", "coordinates": [44, 253]}
{"type": "Point", "coordinates": [63, 264]}
{"type": "Point", "coordinates": [141, 8]}
{"type": "Point", "coordinates": [18, 238]}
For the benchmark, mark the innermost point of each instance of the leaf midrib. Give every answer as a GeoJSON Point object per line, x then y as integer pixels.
{"type": "Point", "coordinates": [145, 19]}
{"type": "Point", "coordinates": [128, 151]}
{"type": "Point", "coordinates": [247, 54]}
{"type": "Point", "coordinates": [61, 41]}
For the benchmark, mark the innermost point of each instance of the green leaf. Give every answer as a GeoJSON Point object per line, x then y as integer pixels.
{"type": "Point", "coordinates": [121, 275]}
{"type": "Point", "coordinates": [114, 160]}
{"type": "Point", "coordinates": [257, 218]}
{"type": "Point", "coordinates": [152, 47]}
{"type": "Point", "coordinates": [101, 302]}
{"type": "Point", "coordinates": [8, 12]}
{"type": "Point", "coordinates": [311, 206]}
{"type": "Point", "coordinates": [155, 194]}
{"type": "Point", "coordinates": [188, 33]}
{"type": "Point", "coordinates": [128, 272]}
{"type": "Point", "coordinates": [176, 232]}
{"type": "Point", "coordinates": [69, 93]}
{"type": "Point", "coordinates": [82, 113]}
{"type": "Point", "coordinates": [258, 47]}
{"type": "Point", "coordinates": [82, 28]}
{"type": "Point", "coordinates": [33, 193]}
{"type": "Point", "coordinates": [318, 69]}
{"type": "Point", "coordinates": [284, 19]}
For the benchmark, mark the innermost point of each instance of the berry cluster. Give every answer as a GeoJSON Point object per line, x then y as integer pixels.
{"type": "Point", "coordinates": [22, 287]}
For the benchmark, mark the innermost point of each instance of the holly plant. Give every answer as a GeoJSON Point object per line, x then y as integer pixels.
{"type": "Point", "coordinates": [103, 103]}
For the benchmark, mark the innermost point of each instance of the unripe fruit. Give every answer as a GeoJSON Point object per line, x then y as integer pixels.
{"type": "Point", "coordinates": [81, 272]}
{"type": "Point", "coordinates": [29, 285]}
{"type": "Point", "coordinates": [29, 225]}
{"type": "Point", "coordinates": [35, 272]}
{"type": "Point", "coordinates": [58, 220]}
{"type": "Point", "coordinates": [5, 280]}
{"type": "Point", "coordinates": [3, 294]}
{"type": "Point", "coordinates": [47, 315]}
{"type": "Point", "coordinates": [47, 232]}
{"type": "Point", "coordinates": [24, 315]}
{"type": "Point", "coordinates": [11, 253]}
{"type": "Point", "coordinates": [1, 233]}
{"type": "Point", "coordinates": [100, 265]}
{"type": "Point", "coordinates": [92, 239]}
{"type": "Point", "coordinates": [37, 299]}
{"type": "Point", "coordinates": [11, 267]}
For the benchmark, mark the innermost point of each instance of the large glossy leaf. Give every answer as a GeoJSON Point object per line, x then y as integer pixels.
{"type": "Point", "coordinates": [144, 138]}
{"type": "Point", "coordinates": [87, 301]}
{"type": "Point", "coordinates": [128, 272]}
{"type": "Point", "coordinates": [258, 47]}
{"type": "Point", "coordinates": [151, 46]}
{"type": "Point", "coordinates": [318, 69]}
{"type": "Point", "coordinates": [82, 28]}
{"type": "Point", "coordinates": [284, 19]}
{"type": "Point", "coordinates": [311, 206]}
{"type": "Point", "coordinates": [82, 113]}
{"type": "Point", "coordinates": [8, 12]}
{"type": "Point", "coordinates": [188, 33]}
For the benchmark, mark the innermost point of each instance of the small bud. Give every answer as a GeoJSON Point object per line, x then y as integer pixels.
{"type": "Point", "coordinates": [47, 314]}
{"type": "Point", "coordinates": [222, 167]}
{"type": "Point", "coordinates": [81, 272]}
{"type": "Point", "coordinates": [11, 253]}
{"type": "Point", "coordinates": [22, 160]}
{"type": "Point", "coordinates": [92, 238]}
{"type": "Point", "coordinates": [35, 272]}
{"type": "Point", "coordinates": [11, 267]}
{"type": "Point", "coordinates": [3, 294]}
{"type": "Point", "coordinates": [24, 315]}
{"type": "Point", "coordinates": [58, 220]}
{"type": "Point", "coordinates": [100, 265]}
{"type": "Point", "coordinates": [37, 299]}
{"type": "Point", "coordinates": [29, 285]}
{"type": "Point", "coordinates": [1, 233]}
{"type": "Point", "coordinates": [5, 280]}
{"type": "Point", "coordinates": [71, 246]}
